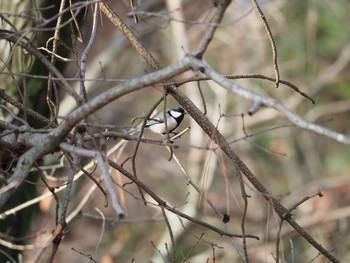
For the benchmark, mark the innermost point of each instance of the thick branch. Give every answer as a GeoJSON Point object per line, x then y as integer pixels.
{"type": "Point", "coordinates": [46, 143]}
{"type": "Point", "coordinates": [220, 140]}
{"type": "Point", "coordinates": [269, 102]}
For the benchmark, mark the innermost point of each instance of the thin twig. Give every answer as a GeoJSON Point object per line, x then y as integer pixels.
{"type": "Point", "coordinates": [60, 228]}
{"type": "Point", "coordinates": [272, 41]}
{"type": "Point", "coordinates": [190, 181]}
{"type": "Point", "coordinates": [53, 106]}
{"type": "Point", "coordinates": [80, 38]}
{"type": "Point", "coordinates": [208, 37]}
{"type": "Point", "coordinates": [245, 76]}
{"type": "Point", "coordinates": [185, 258]}
{"type": "Point", "coordinates": [77, 210]}
{"type": "Point", "coordinates": [217, 137]}
{"type": "Point", "coordinates": [173, 252]}
{"type": "Point", "coordinates": [162, 203]}
{"type": "Point", "coordinates": [84, 55]}
{"type": "Point", "coordinates": [17, 40]}
{"type": "Point", "coordinates": [52, 191]}
{"type": "Point", "coordinates": [103, 226]}
{"type": "Point", "coordinates": [133, 158]}
{"type": "Point", "coordinates": [85, 255]}
{"type": "Point", "coordinates": [25, 109]}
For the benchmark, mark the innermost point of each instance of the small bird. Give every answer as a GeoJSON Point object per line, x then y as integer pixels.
{"type": "Point", "coordinates": [174, 117]}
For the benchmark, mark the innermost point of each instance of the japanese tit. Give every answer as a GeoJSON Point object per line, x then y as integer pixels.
{"type": "Point", "coordinates": [156, 124]}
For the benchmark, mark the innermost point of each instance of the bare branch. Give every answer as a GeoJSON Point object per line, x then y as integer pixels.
{"type": "Point", "coordinates": [14, 38]}
{"type": "Point", "coordinates": [106, 176]}
{"type": "Point", "coordinates": [207, 38]}
{"type": "Point", "coordinates": [115, 19]}
{"type": "Point", "coordinates": [216, 136]}
{"type": "Point", "coordinates": [269, 102]}
{"type": "Point", "coordinates": [86, 51]}
{"type": "Point", "coordinates": [272, 40]}
{"type": "Point", "coordinates": [162, 203]}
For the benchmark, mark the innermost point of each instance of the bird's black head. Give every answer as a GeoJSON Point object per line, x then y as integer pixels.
{"type": "Point", "coordinates": [177, 113]}
{"type": "Point", "coordinates": [178, 109]}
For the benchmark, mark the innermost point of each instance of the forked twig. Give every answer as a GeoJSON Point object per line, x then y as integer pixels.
{"type": "Point", "coordinates": [106, 176]}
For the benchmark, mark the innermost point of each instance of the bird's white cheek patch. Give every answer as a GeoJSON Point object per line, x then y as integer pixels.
{"type": "Point", "coordinates": [175, 114]}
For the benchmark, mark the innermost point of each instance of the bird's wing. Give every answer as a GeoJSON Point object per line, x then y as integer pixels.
{"type": "Point", "coordinates": [155, 120]}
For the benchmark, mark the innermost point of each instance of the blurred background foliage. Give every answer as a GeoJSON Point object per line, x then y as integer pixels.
{"type": "Point", "coordinates": [313, 44]}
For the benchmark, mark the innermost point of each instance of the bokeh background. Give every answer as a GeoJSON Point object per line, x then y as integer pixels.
{"type": "Point", "coordinates": [313, 43]}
